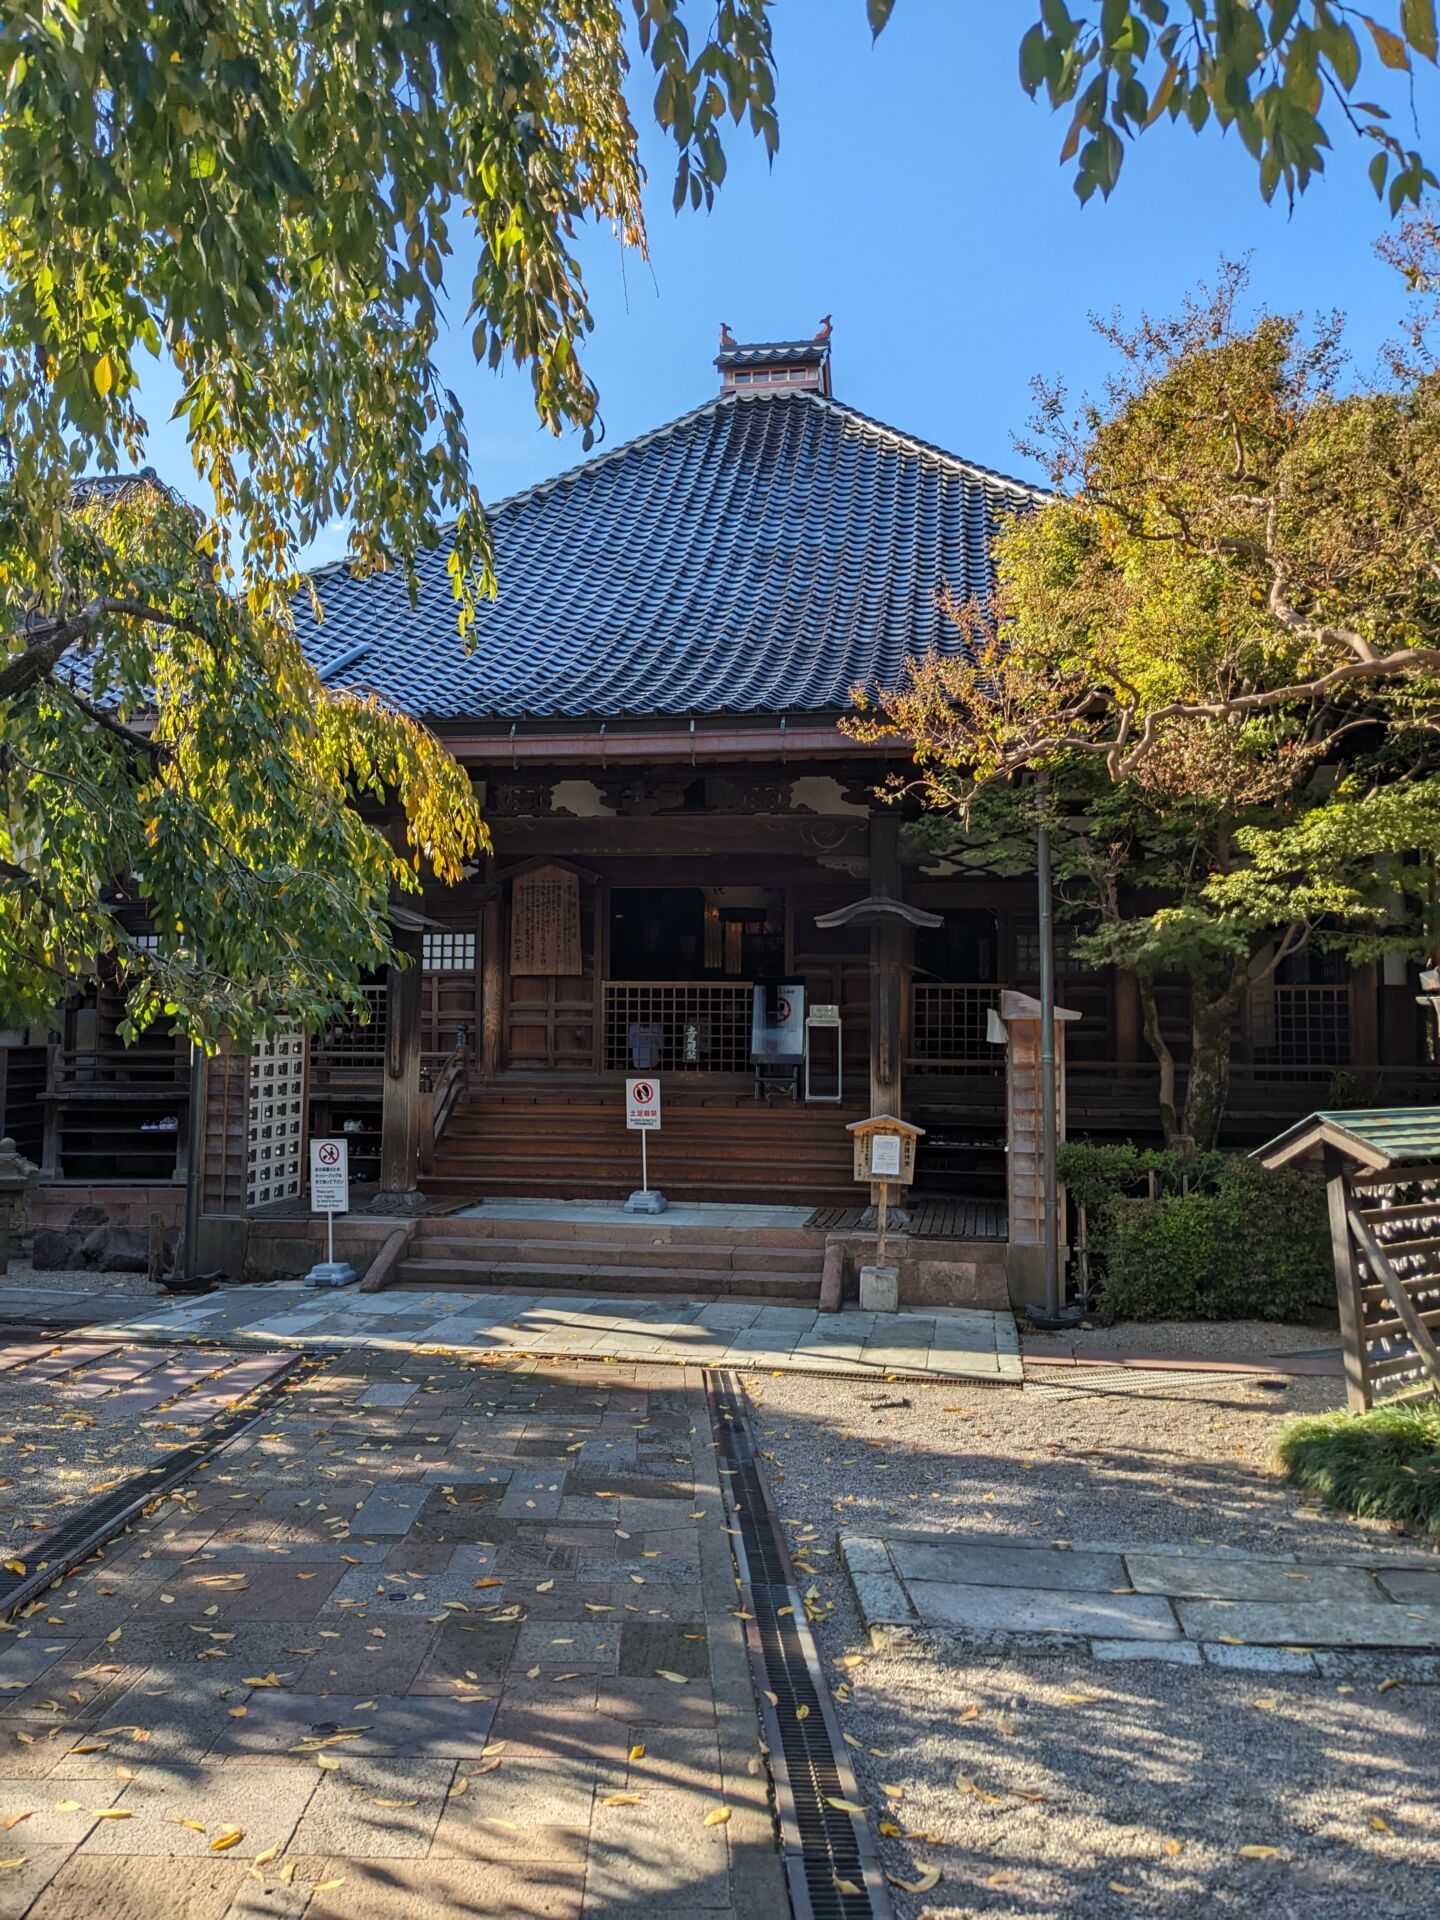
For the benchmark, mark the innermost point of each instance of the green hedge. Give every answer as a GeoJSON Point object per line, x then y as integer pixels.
{"type": "Point", "coordinates": [1383, 1465]}
{"type": "Point", "coordinates": [1222, 1238]}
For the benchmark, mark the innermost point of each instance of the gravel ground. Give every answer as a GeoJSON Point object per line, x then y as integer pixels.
{"type": "Point", "coordinates": [1204, 1339]}
{"type": "Point", "coordinates": [1146, 1779]}
{"type": "Point", "coordinates": [128, 1286]}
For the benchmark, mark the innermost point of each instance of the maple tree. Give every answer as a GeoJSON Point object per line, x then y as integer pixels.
{"type": "Point", "coordinates": [1213, 655]}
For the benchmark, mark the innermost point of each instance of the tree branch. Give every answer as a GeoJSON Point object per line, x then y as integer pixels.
{"type": "Point", "coordinates": [140, 744]}
{"type": "Point", "coordinates": [48, 645]}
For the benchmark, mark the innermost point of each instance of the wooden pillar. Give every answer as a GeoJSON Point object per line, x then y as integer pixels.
{"type": "Point", "coordinates": [887, 970]}
{"type": "Point", "coordinates": [1127, 1016]}
{"type": "Point", "coordinates": [492, 976]}
{"type": "Point", "coordinates": [1024, 1143]}
{"type": "Point", "coordinates": [1347, 1285]}
{"type": "Point", "coordinates": [1364, 1015]}
{"type": "Point", "coordinates": [400, 1110]}
{"type": "Point", "coordinates": [50, 1166]}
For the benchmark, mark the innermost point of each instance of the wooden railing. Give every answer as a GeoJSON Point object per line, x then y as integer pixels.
{"type": "Point", "coordinates": [677, 1026]}
{"type": "Point", "coordinates": [443, 1081]}
{"type": "Point", "coordinates": [948, 1024]}
{"type": "Point", "coordinates": [140, 1069]}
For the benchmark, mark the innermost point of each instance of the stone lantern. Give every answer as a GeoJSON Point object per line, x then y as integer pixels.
{"type": "Point", "coordinates": [16, 1174]}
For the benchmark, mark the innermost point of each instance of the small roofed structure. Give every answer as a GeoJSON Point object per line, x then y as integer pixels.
{"type": "Point", "coordinates": [1382, 1173]}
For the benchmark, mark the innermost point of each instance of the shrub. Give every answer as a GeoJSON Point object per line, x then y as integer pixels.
{"type": "Point", "coordinates": [1220, 1238]}
{"type": "Point", "coordinates": [1381, 1465]}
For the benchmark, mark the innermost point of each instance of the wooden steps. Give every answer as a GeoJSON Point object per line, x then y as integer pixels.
{"type": "Point", "coordinates": [641, 1257]}
{"type": "Point", "coordinates": [573, 1144]}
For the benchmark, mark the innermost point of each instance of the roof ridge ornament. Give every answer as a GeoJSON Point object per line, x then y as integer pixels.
{"type": "Point", "coordinates": [770, 365]}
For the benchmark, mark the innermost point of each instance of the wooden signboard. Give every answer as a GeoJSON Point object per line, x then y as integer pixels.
{"type": "Point", "coordinates": [545, 923]}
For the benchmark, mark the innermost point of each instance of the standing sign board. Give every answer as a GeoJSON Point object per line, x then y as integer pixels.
{"type": "Point", "coordinates": [642, 1116]}
{"type": "Point", "coordinates": [329, 1176]}
{"type": "Point", "coordinates": [330, 1194]}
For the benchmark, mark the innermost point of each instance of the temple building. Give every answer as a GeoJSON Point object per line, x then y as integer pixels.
{"type": "Point", "coordinates": [692, 877]}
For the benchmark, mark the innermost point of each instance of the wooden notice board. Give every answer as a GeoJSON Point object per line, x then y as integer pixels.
{"type": "Point", "coordinates": [545, 923]}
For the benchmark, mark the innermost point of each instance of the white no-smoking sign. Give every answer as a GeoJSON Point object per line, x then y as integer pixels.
{"type": "Point", "coordinates": [329, 1176]}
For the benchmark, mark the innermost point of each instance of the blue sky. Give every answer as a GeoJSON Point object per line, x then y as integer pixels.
{"type": "Point", "coordinates": [917, 197]}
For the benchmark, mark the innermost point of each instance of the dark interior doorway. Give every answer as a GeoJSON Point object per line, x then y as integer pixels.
{"type": "Point", "coordinates": [696, 933]}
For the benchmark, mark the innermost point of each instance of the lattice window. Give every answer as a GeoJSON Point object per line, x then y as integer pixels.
{"type": "Point", "coordinates": [1027, 952]}
{"type": "Point", "coordinates": [677, 1027]}
{"type": "Point", "coordinates": [275, 1145]}
{"type": "Point", "coordinates": [949, 1025]}
{"type": "Point", "coordinates": [448, 953]}
{"type": "Point", "coordinates": [1301, 1026]}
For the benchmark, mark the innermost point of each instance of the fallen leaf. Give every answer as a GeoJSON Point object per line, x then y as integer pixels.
{"type": "Point", "coordinates": [1174, 1847]}
{"type": "Point", "coordinates": [14, 1819]}
{"type": "Point", "coordinates": [716, 1817]}
{"type": "Point", "coordinates": [802, 1713]}
{"type": "Point", "coordinates": [1378, 1824]}
{"type": "Point", "coordinates": [676, 1679]}
{"type": "Point", "coordinates": [637, 1753]}
{"type": "Point", "coordinates": [1386, 1685]}
{"type": "Point", "coordinates": [1254, 1852]}
{"type": "Point", "coordinates": [1119, 1886]}
{"type": "Point", "coordinates": [112, 1813]}
{"type": "Point", "coordinates": [889, 1829]}
{"type": "Point", "coordinates": [15, 1566]}
{"type": "Point", "coordinates": [1006, 1877]}
{"type": "Point", "coordinates": [7, 1865]}
{"type": "Point", "coordinates": [328, 1886]}
{"type": "Point", "coordinates": [459, 1784]}
{"type": "Point", "coordinates": [267, 1854]}
{"type": "Point", "coordinates": [622, 1800]}
{"type": "Point", "coordinates": [844, 1886]}
{"type": "Point", "coordinates": [545, 1586]}
{"type": "Point", "coordinates": [328, 1762]}
{"type": "Point", "coordinates": [842, 1806]}
{"type": "Point", "coordinates": [927, 1877]}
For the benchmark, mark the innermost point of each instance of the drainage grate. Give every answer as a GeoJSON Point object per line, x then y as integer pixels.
{"type": "Point", "coordinates": [84, 1532]}
{"type": "Point", "coordinates": [821, 1845]}
{"type": "Point", "coordinates": [1132, 1379]}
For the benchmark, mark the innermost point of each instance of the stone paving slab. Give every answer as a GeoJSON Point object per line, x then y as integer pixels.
{"type": "Point", "coordinates": [1242, 1611]}
{"type": "Point", "coordinates": [938, 1344]}
{"type": "Point", "coordinates": [448, 1740]}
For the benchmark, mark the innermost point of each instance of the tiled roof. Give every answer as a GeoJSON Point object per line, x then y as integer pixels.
{"type": "Point", "coordinates": [774, 353]}
{"type": "Point", "coordinates": [763, 554]}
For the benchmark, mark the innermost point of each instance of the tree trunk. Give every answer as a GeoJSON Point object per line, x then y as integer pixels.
{"type": "Point", "coordinates": [1207, 1087]}
{"type": "Point", "coordinates": [1159, 1046]}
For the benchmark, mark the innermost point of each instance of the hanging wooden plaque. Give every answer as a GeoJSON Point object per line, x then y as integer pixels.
{"type": "Point", "coordinates": [545, 923]}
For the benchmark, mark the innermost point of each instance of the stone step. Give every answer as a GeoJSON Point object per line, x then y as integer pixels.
{"type": "Point", "coordinates": [563, 1277]}
{"type": "Point", "coordinates": [724, 1185]}
{"type": "Point", "coordinates": [493, 1222]}
{"type": "Point", "coordinates": [633, 1252]}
